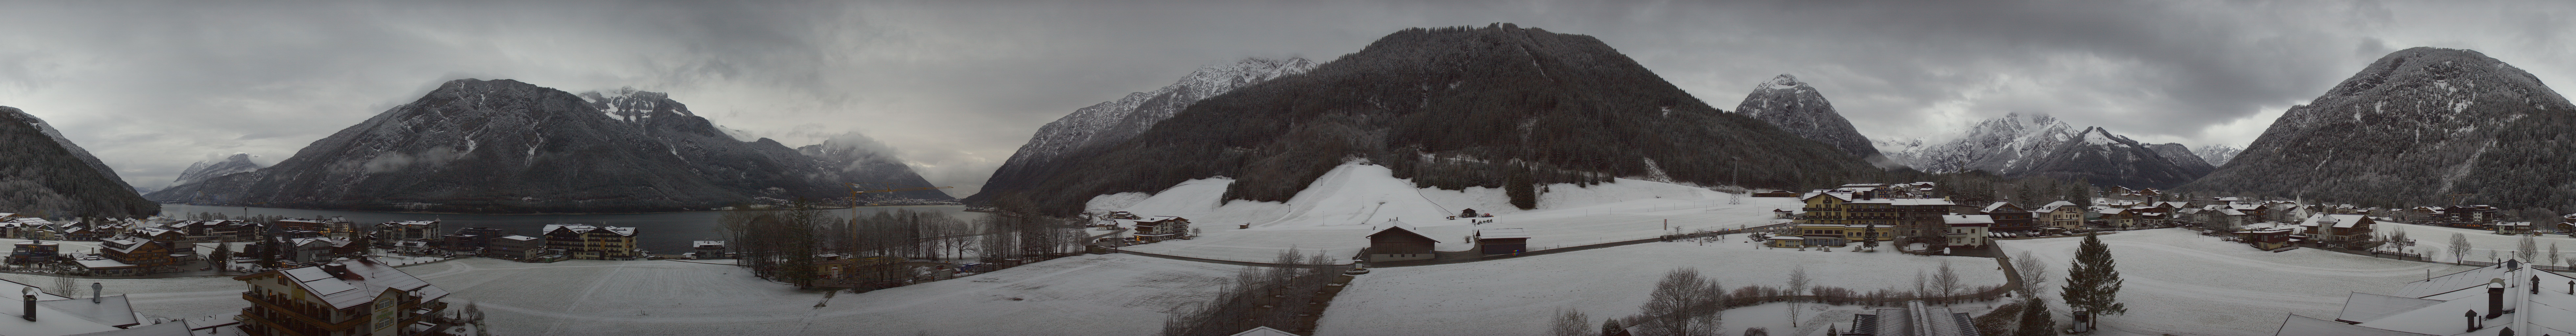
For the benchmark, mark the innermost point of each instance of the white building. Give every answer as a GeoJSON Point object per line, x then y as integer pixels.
{"type": "Point", "coordinates": [1968, 230]}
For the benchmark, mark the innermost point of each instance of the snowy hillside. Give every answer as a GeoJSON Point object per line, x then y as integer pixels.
{"type": "Point", "coordinates": [2217, 154]}
{"type": "Point", "coordinates": [1353, 200]}
{"type": "Point", "coordinates": [1113, 121]}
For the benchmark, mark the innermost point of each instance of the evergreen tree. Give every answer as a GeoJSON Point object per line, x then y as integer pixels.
{"type": "Point", "coordinates": [222, 256]}
{"type": "Point", "coordinates": [2034, 319]}
{"type": "Point", "coordinates": [2092, 281]}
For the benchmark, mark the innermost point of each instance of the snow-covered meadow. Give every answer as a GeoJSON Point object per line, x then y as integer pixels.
{"type": "Point", "coordinates": [1083, 295]}
{"type": "Point", "coordinates": [2181, 283]}
{"type": "Point", "coordinates": [2434, 242]}
{"type": "Point", "coordinates": [1516, 296]}
{"type": "Point", "coordinates": [1345, 205]}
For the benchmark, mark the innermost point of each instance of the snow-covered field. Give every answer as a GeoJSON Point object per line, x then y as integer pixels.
{"type": "Point", "coordinates": [2433, 241]}
{"type": "Point", "coordinates": [1085, 295]}
{"type": "Point", "coordinates": [2180, 283]}
{"type": "Point", "coordinates": [1351, 201]}
{"type": "Point", "coordinates": [1516, 296]}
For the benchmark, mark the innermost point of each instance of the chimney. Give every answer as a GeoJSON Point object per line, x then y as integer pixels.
{"type": "Point", "coordinates": [2495, 298]}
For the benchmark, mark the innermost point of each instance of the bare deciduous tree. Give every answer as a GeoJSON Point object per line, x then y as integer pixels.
{"type": "Point", "coordinates": [2459, 247]}
{"type": "Point", "coordinates": [1797, 286]}
{"type": "Point", "coordinates": [2034, 274]}
{"type": "Point", "coordinates": [1571, 322]}
{"type": "Point", "coordinates": [1946, 281]}
{"type": "Point", "coordinates": [1683, 304]}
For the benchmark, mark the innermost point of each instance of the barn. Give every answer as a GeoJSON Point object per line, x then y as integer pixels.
{"type": "Point", "coordinates": [1399, 242]}
{"type": "Point", "coordinates": [1502, 241]}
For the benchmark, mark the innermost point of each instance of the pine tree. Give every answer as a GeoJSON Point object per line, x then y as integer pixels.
{"type": "Point", "coordinates": [222, 257]}
{"type": "Point", "coordinates": [2034, 319]}
{"type": "Point", "coordinates": [2092, 281]}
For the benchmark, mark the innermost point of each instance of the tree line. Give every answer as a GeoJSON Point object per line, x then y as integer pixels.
{"type": "Point", "coordinates": [785, 244]}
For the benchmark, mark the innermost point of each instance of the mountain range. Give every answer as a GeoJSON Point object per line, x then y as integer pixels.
{"type": "Point", "coordinates": [43, 174]}
{"type": "Point", "coordinates": [2412, 128]}
{"type": "Point", "coordinates": [1498, 106]}
{"type": "Point", "coordinates": [200, 171]}
{"type": "Point", "coordinates": [504, 146]}
{"type": "Point", "coordinates": [2039, 145]}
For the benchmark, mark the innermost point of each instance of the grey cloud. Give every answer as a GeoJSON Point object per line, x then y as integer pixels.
{"type": "Point", "coordinates": [957, 86]}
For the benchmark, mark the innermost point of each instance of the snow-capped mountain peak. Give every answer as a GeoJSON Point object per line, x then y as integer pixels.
{"type": "Point", "coordinates": [1781, 82]}
{"type": "Point", "coordinates": [627, 104]}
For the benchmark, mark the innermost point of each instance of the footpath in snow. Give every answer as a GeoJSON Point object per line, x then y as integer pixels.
{"type": "Point", "coordinates": [1345, 205]}
{"type": "Point", "coordinates": [1516, 296]}
{"type": "Point", "coordinates": [2181, 283]}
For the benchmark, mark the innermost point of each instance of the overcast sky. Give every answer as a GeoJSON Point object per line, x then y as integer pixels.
{"type": "Point", "coordinates": [956, 86]}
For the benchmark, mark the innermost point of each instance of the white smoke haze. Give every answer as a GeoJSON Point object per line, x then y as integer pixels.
{"type": "Point", "coordinates": [956, 87]}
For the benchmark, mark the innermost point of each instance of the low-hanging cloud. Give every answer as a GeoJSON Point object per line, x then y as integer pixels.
{"type": "Point", "coordinates": [956, 87]}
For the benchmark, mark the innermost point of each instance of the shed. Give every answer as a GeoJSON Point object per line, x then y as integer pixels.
{"type": "Point", "coordinates": [1398, 242]}
{"type": "Point", "coordinates": [1502, 241]}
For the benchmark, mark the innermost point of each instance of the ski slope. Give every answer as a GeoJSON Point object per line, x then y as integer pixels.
{"type": "Point", "coordinates": [2181, 283]}
{"type": "Point", "coordinates": [1351, 201]}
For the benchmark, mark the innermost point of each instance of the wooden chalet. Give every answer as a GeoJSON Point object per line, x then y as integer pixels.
{"type": "Point", "coordinates": [1399, 242]}
{"type": "Point", "coordinates": [138, 251]}
{"type": "Point", "coordinates": [1502, 241]}
{"type": "Point", "coordinates": [2009, 217]}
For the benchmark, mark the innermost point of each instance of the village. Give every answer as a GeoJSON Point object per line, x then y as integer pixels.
{"type": "Point", "coordinates": [1374, 258]}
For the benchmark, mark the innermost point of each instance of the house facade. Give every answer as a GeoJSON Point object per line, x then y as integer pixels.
{"type": "Point", "coordinates": [1399, 242]}
{"type": "Point", "coordinates": [593, 242]}
{"type": "Point", "coordinates": [355, 297]}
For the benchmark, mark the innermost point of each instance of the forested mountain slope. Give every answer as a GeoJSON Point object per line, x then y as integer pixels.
{"type": "Point", "coordinates": [2411, 127]}
{"type": "Point", "coordinates": [1498, 106]}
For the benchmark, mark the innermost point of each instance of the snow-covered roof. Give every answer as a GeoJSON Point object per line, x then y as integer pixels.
{"type": "Point", "coordinates": [706, 242]}
{"type": "Point", "coordinates": [1906, 201]}
{"type": "Point", "coordinates": [1916, 319]}
{"type": "Point", "coordinates": [102, 263]}
{"type": "Point", "coordinates": [1990, 208]}
{"type": "Point", "coordinates": [1502, 233]}
{"type": "Point", "coordinates": [1263, 331]}
{"type": "Point", "coordinates": [369, 278]}
{"type": "Point", "coordinates": [1392, 225]}
{"type": "Point", "coordinates": [1787, 238]}
{"type": "Point", "coordinates": [518, 237]}
{"type": "Point", "coordinates": [2299, 325]}
{"type": "Point", "coordinates": [581, 228]}
{"type": "Point", "coordinates": [2340, 221]}
{"type": "Point", "coordinates": [2052, 206]}
{"type": "Point", "coordinates": [2364, 307]}
{"type": "Point", "coordinates": [85, 317]}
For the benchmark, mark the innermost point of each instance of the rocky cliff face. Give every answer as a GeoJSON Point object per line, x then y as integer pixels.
{"type": "Point", "coordinates": [2005, 146]}
{"type": "Point", "coordinates": [2217, 155]}
{"type": "Point", "coordinates": [502, 146]}
{"type": "Point", "coordinates": [2411, 127]}
{"type": "Point", "coordinates": [1498, 106]}
{"type": "Point", "coordinates": [237, 163]}
{"type": "Point", "coordinates": [44, 174]}
{"type": "Point", "coordinates": [1800, 109]}
{"type": "Point", "coordinates": [1088, 130]}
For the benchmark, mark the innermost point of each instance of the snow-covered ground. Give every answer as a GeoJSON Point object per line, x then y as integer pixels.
{"type": "Point", "coordinates": [2434, 241]}
{"type": "Point", "coordinates": [2181, 283]}
{"type": "Point", "coordinates": [1345, 205]}
{"type": "Point", "coordinates": [1516, 296]}
{"type": "Point", "coordinates": [1085, 295]}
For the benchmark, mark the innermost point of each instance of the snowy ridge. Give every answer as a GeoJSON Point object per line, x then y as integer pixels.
{"type": "Point", "coordinates": [627, 104]}
{"type": "Point", "coordinates": [2001, 145]}
{"type": "Point", "coordinates": [1116, 120]}
{"type": "Point", "coordinates": [237, 163]}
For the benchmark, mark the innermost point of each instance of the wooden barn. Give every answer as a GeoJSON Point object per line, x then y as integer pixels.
{"type": "Point", "coordinates": [1502, 241]}
{"type": "Point", "coordinates": [1399, 242]}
